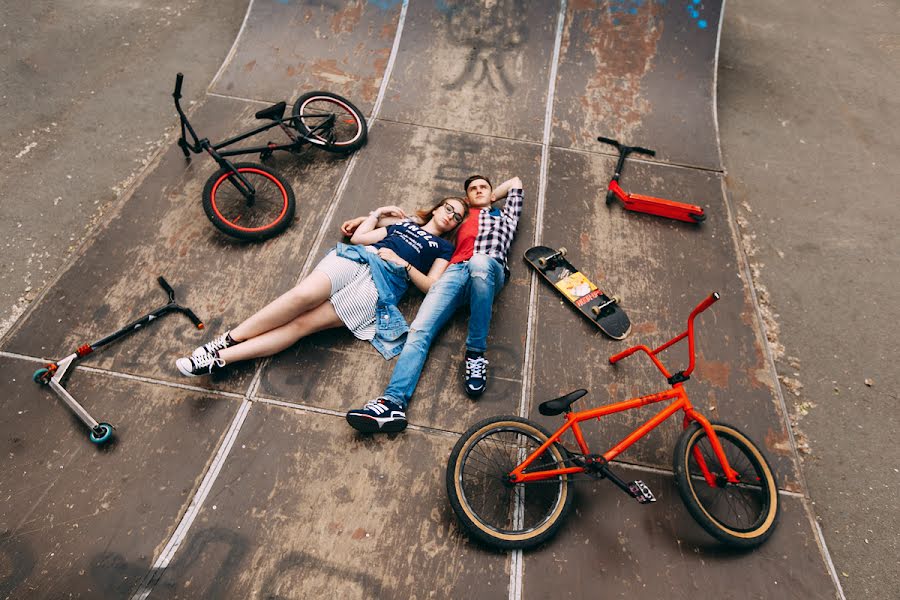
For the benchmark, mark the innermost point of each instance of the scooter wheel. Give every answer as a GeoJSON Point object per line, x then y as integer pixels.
{"type": "Point", "coordinates": [41, 376]}
{"type": "Point", "coordinates": [101, 434]}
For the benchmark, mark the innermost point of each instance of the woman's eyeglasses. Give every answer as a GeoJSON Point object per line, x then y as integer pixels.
{"type": "Point", "coordinates": [456, 216]}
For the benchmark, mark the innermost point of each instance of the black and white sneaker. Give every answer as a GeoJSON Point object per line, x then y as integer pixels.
{"type": "Point", "coordinates": [476, 374]}
{"type": "Point", "coordinates": [220, 343]}
{"type": "Point", "coordinates": [378, 416]}
{"type": "Point", "coordinates": [200, 365]}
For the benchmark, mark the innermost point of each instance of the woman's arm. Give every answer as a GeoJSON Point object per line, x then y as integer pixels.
{"type": "Point", "coordinates": [369, 232]}
{"type": "Point", "coordinates": [419, 279]}
{"type": "Point", "coordinates": [391, 216]}
{"type": "Point", "coordinates": [423, 281]}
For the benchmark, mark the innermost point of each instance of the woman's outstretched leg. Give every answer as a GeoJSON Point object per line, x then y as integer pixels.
{"type": "Point", "coordinates": [275, 340]}
{"type": "Point", "coordinates": [305, 296]}
{"type": "Point", "coordinates": [266, 344]}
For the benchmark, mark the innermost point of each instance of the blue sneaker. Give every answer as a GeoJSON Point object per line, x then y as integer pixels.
{"type": "Point", "coordinates": [378, 416]}
{"type": "Point", "coordinates": [476, 374]}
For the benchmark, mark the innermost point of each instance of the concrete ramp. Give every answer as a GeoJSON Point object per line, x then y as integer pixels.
{"type": "Point", "coordinates": [250, 484]}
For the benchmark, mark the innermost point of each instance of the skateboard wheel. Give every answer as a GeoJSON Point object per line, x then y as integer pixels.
{"type": "Point", "coordinates": [41, 376]}
{"type": "Point", "coordinates": [562, 251]}
{"type": "Point", "coordinates": [542, 262]}
{"type": "Point", "coordinates": [596, 311]}
{"type": "Point", "coordinates": [101, 434]}
{"type": "Point", "coordinates": [616, 299]}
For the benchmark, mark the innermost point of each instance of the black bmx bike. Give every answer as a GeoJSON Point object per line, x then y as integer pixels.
{"type": "Point", "coordinates": [250, 201]}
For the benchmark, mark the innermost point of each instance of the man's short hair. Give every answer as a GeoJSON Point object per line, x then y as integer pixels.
{"type": "Point", "coordinates": [473, 178]}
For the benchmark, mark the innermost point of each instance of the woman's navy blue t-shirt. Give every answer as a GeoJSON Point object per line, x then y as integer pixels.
{"type": "Point", "coordinates": [415, 245]}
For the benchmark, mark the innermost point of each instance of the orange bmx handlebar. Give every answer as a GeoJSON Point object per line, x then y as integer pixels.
{"type": "Point", "coordinates": [706, 303]}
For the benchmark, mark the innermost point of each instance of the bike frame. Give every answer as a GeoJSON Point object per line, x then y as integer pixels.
{"type": "Point", "coordinates": [218, 154]}
{"type": "Point", "coordinates": [680, 402]}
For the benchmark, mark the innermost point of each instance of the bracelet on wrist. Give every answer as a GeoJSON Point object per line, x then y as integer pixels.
{"type": "Point", "coordinates": [408, 267]}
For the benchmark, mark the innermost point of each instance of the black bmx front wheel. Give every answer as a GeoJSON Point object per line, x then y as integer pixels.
{"type": "Point", "coordinates": [489, 507]}
{"type": "Point", "coordinates": [330, 122]}
{"type": "Point", "coordinates": [742, 514]}
{"type": "Point", "coordinates": [266, 213]}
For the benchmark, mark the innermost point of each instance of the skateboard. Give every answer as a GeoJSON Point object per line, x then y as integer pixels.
{"type": "Point", "coordinates": [602, 310]}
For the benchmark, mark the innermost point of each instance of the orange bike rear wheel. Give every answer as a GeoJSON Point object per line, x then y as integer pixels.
{"type": "Point", "coordinates": [489, 507]}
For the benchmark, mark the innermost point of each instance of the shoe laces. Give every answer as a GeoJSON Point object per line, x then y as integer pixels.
{"type": "Point", "coordinates": [219, 343]}
{"type": "Point", "coordinates": [377, 406]}
{"type": "Point", "coordinates": [476, 367]}
{"type": "Point", "coordinates": [207, 361]}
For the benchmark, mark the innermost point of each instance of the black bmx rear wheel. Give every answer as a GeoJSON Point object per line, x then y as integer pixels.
{"type": "Point", "coordinates": [330, 121]}
{"type": "Point", "coordinates": [268, 213]}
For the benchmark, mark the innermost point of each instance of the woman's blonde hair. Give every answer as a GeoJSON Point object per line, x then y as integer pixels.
{"type": "Point", "coordinates": [423, 215]}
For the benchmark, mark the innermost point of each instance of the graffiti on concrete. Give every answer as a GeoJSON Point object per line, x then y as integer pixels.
{"type": "Point", "coordinates": [490, 29]}
{"type": "Point", "coordinates": [695, 8]}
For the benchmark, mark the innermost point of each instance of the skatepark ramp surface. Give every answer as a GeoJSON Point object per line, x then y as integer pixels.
{"type": "Point", "coordinates": [249, 483]}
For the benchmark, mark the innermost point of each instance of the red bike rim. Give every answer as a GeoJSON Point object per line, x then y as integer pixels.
{"type": "Point", "coordinates": [284, 205]}
{"type": "Point", "coordinates": [345, 107]}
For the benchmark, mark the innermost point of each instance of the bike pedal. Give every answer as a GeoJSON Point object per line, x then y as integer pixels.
{"type": "Point", "coordinates": [641, 492]}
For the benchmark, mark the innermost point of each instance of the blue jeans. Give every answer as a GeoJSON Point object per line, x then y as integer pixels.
{"type": "Point", "coordinates": [475, 282]}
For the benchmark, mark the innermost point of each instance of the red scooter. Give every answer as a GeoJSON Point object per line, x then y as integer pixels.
{"type": "Point", "coordinates": [647, 204]}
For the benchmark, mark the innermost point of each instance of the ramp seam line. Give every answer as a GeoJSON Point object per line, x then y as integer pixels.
{"type": "Point", "coordinates": [233, 50]}
{"type": "Point", "coordinates": [183, 527]}
{"type": "Point", "coordinates": [517, 566]}
{"type": "Point", "coordinates": [152, 577]}
{"type": "Point", "coordinates": [342, 186]}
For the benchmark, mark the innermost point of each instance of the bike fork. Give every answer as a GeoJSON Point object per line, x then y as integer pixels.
{"type": "Point", "coordinates": [234, 178]}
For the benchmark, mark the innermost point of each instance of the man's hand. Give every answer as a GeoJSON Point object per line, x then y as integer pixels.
{"type": "Point", "coordinates": [390, 256]}
{"type": "Point", "coordinates": [349, 226]}
{"type": "Point", "coordinates": [502, 190]}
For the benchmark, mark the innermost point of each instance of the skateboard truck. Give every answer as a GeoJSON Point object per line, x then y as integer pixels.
{"type": "Point", "coordinates": [558, 254]}
{"type": "Point", "coordinates": [598, 309]}
{"type": "Point", "coordinates": [53, 374]}
{"type": "Point", "coordinates": [681, 211]}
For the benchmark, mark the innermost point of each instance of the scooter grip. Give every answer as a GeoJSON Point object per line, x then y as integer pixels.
{"type": "Point", "coordinates": [165, 285]}
{"type": "Point", "coordinates": [606, 140]}
{"type": "Point", "coordinates": [194, 318]}
{"type": "Point", "coordinates": [646, 151]}
{"type": "Point", "coordinates": [179, 78]}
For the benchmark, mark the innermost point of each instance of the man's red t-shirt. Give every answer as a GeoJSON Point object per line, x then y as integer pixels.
{"type": "Point", "coordinates": [465, 238]}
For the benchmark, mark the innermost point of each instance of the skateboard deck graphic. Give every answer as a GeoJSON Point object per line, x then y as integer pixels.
{"type": "Point", "coordinates": [602, 310]}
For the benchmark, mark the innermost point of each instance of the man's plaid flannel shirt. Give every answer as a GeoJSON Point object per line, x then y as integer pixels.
{"type": "Point", "coordinates": [497, 228]}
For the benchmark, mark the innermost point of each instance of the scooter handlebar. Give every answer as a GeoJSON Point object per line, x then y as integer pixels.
{"type": "Point", "coordinates": [607, 140]}
{"type": "Point", "coordinates": [179, 78]}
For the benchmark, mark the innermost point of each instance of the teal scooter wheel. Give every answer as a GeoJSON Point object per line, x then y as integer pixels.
{"type": "Point", "coordinates": [101, 434]}
{"type": "Point", "coordinates": [42, 376]}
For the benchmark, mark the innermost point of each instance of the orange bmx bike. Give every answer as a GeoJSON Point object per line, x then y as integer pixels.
{"type": "Point", "coordinates": [509, 480]}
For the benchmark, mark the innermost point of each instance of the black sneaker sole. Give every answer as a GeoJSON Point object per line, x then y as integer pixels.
{"type": "Point", "coordinates": [369, 425]}
{"type": "Point", "coordinates": [475, 393]}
